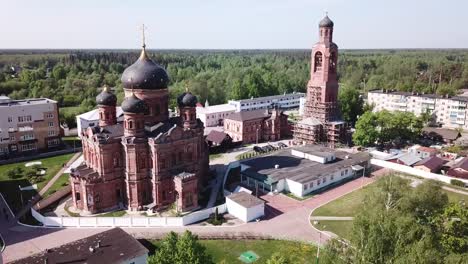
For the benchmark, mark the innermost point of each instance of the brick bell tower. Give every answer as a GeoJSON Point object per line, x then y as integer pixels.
{"type": "Point", "coordinates": [322, 89]}
{"type": "Point", "coordinates": [322, 119]}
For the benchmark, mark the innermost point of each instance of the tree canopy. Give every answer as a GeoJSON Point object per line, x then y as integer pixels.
{"type": "Point", "coordinates": [386, 127]}
{"type": "Point", "coordinates": [176, 249]}
{"type": "Point", "coordinates": [398, 224]}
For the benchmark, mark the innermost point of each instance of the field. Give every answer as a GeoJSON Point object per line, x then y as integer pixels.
{"type": "Point", "coordinates": [228, 251]}
{"type": "Point", "coordinates": [341, 228]}
{"type": "Point", "coordinates": [9, 187]}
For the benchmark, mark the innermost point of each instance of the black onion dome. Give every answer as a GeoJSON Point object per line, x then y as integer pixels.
{"type": "Point", "coordinates": [145, 74]}
{"type": "Point", "coordinates": [326, 22]}
{"type": "Point", "coordinates": [133, 104]}
{"type": "Point", "coordinates": [106, 98]}
{"type": "Point", "coordinates": [187, 99]}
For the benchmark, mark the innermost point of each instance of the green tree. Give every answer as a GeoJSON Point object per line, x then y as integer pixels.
{"type": "Point", "coordinates": [366, 133]}
{"type": "Point", "coordinates": [351, 104]}
{"type": "Point", "coordinates": [175, 249]}
{"type": "Point", "coordinates": [454, 226]}
{"type": "Point", "coordinates": [398, 224]}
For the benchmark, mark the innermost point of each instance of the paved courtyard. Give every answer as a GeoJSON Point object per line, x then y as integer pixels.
{"type": "Point", "coordinates": [287, 218]}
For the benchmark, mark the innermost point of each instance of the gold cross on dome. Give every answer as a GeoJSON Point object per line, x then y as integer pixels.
{"type": "Point", "coordinates": [143, 27]}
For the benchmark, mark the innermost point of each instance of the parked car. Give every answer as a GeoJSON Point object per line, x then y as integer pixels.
{"type": "Point", "coordinates": [282, 145]}
{"type": "Point", "coordinates": [258, 149]}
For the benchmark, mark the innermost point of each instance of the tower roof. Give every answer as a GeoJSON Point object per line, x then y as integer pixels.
{"type": "Point", "coordinates": [133, 104]}
{"type": "Point", "coordinates": [145, 73]}
{"type": "Point", "coordinates": [106, 97]}
{"type": "Point", "coordinates": [187, 99]}
{"type": "Point", "coordinates": [326, 22]}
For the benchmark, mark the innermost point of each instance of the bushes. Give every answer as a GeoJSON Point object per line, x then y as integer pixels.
{"type": "Point", "coordinates": [457, 183]}
{"type": "Point", "coordinates": [15, 173]}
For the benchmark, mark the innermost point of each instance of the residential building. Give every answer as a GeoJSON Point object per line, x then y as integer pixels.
{"type": "Point", "coordinates": [441, 134]}
{"type": "Point", "coordinates": [284, 101]}
{"type": "Point", "coordinates": [91, 119]}
{"type": "Point", "coordinates": [301, 170]}
{"type": "Point", "coordinates": [257, 125]}
{"type": "Point", "coordinates": [459, 169]}
{"type": "Point", "coordinates": [217, 138]}
{"type": "Point", "coordinates": [28, 126]}
{"type": "Point", "coordinates": [111, 246]}
{"type": "Point", "coordinates": [214, 115]}
{"type": "Point", "coordinates": [446, 111]}
{"type": "Point", "coordinates": [150, 161]}
{"type": "Point", "coordinates": [430, 164]}
{"type": "Point", "coordinates": [422, 152]}
{"type": "Point", "coordinates": [321, 116]}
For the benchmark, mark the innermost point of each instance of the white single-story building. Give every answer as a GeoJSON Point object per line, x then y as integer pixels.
{"type": "Point", "coordinates": [91, 119]}
{"type": "Point", "coordinates": [245, 206]}
{"type": "Point", "coordinates": [302, 170]}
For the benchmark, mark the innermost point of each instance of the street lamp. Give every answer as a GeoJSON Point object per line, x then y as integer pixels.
{"type": "Point", "coordinates": [257, 135]}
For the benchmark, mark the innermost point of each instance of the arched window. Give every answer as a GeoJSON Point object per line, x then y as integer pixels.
{"type": "Point", "coordinates": [318, 61]}
{"type": "Point", "coordinates": [333, 62]}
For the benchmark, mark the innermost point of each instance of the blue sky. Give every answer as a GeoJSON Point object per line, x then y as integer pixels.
{"type": "Point", "coordinates": [232, 24]}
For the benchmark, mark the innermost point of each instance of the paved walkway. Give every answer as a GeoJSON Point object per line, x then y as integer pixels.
{"type": "Point", "coordinates": [290, 221]}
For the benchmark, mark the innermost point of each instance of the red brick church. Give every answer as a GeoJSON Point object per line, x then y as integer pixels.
{"type": "Point", "coordinates": [149, 161]}
{"type": "Point", "coordinates": [321, 120]}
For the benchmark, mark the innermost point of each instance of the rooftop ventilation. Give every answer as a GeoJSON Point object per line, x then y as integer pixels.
{"type": "Point", "coordinates": [276, 166]}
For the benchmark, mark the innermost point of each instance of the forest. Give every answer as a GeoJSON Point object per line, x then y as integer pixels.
{"type": "Point", "coordinates": [75, 77]}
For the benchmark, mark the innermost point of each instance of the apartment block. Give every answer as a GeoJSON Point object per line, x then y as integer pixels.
{"type": "Point", "coordinates": [284, 101]}
{"type": "Point", "coordinates": [28, 125]}
{"type": "Point", "coordinates": [448, 111]}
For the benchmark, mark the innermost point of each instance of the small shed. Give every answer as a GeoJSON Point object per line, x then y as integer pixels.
{"type": "Point", "coordinates": [218, 138]}
{"type": "Point", "coordinates": [245, 206]}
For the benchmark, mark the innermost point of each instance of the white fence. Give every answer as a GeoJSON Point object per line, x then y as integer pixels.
{"type": "Point", "coordinates": [416, 172]}
{"type": "Point", "coordinates": [130, 221]}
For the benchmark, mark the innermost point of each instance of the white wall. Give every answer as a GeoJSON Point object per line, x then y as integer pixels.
{"type": "Point", "coordinates": [127, 221]}
{"type": "Point", "coordinates": [236, 209]}
{"type": "Point", "coordinates": [414, 171]}
{"type": "Point", "coordinates": [298, 189]}
{"type": "Point", "coordinates": [255, 212]}
{"type": "Point", "coordinates": [295, 188]}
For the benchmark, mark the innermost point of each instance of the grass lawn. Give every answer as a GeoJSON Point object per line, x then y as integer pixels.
{"type": "Point", "coordinates": [455, 197]}
{"type": "Point", "coordinates": [305, 197]}
{"type": "Point", "coordinates": [114, 214]}
{"type": "Point", "coordinates": [228, 251]}
{"type": "Point", "coordinates": [346, 205]}
{"type": "Point", "coordinates": [9, 187]}
{"type": "Point", "coordinates": [58, 184]}
{"type": "Point", "coordinates": [215, 156]}
{"type": "Point", "coordinates": [341, 228]}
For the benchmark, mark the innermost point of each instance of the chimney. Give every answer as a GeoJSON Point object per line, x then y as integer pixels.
{"type": "Point", "coordinates": [46, 260]}
{"type": "Point", "coordinates": [98, 244]}
{"type": "Point", "coordinates": [346, 157]}
{"type": "Point", "coordinates": [276, 166]}
{"type": "Point", "coordinates": [91, 249]}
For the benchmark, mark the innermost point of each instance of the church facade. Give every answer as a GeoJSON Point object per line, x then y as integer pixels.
{"type": "Point", "coordinates": [321, 120]}
{"type": "Point", "coordinates": [149, 161]}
